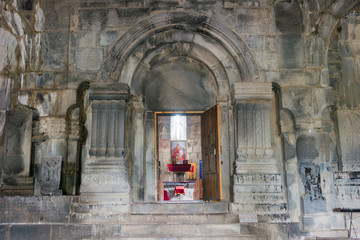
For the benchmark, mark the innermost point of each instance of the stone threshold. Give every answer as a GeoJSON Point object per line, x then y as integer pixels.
{"type": "Point", "coordinates": [191, 207]}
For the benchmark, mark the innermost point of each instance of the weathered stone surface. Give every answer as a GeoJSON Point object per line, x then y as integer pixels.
{"type": "Point", "coordinates": [4, 231]}
{"type": "Point", "coordinates": [289, 150]}
{"type": "Point", "coordinates": [107, 38]}
{"type": "Point", "coordinates": [180, 55]}
{"type": "Point", "coordinates": [5, 93]}
{"type": "Point", "coordinates": [251, 20]}
{"type": "Point", "coordinates": [90, 19]}
{"type": "Point", "coordinates": [88, 59]}
{"type": "Point", "coordinates": [288, 17]}
{"type": "Point", "coordinates": [291, 51]}
{"type": "Point", "coordinates": [25, 5]}
{"type": "Point", "coordinates": [311, 45]}
{"type": "Point", "coordinates": [51, 80]}
{"type": "Point", "coordinates": [51, 175]}
{"type": "Point", "coordinates": [29, 232]}
{"type": "Point", "coordinates": [54, 51]}
{"type": "Point", "coordinates": [173, 78]}
{"type": "Point", "coordinates": [299, 77]}
{"type": "Point", "coordinates": [57, 16]}
{"type": "Point", "coordinates": [349, 133]}
{"type": "Point", "coordinates": [49, 102]}
{"type": "Point", "coordinates": [72, 231]}
{"type": "Point", "coordinates": [17, 144]}
{"type": "Point", "coordinates": [35, 209]}
{"type": "Point", "coordinates": [7, 45]}
{"type": "Point", "coordinates": [306, 149]}
{"type": "Point", "coordinates": [84, 40]}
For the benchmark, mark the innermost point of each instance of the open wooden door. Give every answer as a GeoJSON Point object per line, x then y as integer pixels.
{"type": "Point", "coordinates": [210, 138]}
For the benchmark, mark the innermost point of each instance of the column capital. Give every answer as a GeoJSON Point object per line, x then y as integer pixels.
{"type": "Point", "coordinates": [251, 91]}
{"type": "Point", "coordinates": [109, 91]}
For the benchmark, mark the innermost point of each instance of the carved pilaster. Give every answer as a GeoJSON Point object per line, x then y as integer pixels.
{"type": "Point", "coordinates": [120, 124]}
{"type": "Point", "coordinates": [110, 151]}
{"type": "Point", "coordinates": [108, 129]}
{"type": "Point", "coordinates": [254, 166]}
{"type": "Point", "coordinates": [103, 125]}
{"type": "Point", "coordinates": [94, 127]}
{"type": "Point", "coordinates": [105, 169]}
{"type": "Point", "coordinates": [252, 102]}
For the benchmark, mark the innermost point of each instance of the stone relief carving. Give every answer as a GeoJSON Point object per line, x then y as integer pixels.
{"type": "Point", "coordinates": [49, 127]}
{"type": "Point", "coordinates": [310, 175]}
{"type": "Point", "coordinates": [51, 175]}
{"type": "Point", "coordinates": [349, 134]}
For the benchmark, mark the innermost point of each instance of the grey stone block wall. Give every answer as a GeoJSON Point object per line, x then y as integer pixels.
{"type": "Point", "coordinates": [310, 49]}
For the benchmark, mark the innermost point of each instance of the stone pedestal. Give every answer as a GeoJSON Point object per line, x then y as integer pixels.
{"type": "Point", "coordinates": [258, 185]}
{"type": "Point", "coordinates": [105, 167]}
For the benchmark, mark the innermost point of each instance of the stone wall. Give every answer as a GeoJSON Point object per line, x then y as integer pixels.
{"type": "Point", "coordinates": [308, 51]}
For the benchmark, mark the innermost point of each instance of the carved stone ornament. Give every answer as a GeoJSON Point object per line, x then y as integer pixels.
{"type": "Point", "coordinates": [51, 175]}
{"type": "Point", "coordinates": [49, 127]}
{"type": "Point", "coordinates": [349, 133]}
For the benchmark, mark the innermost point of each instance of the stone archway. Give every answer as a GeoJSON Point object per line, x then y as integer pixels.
{"type": "Point", "coordinates": [220, 58]}
{"type": "Point", "coordinates": [203, 47]}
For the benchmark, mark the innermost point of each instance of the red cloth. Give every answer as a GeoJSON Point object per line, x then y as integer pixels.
{"type": "Point", "coordinates": [179, 190]}
{"type": "Point", "coordinates": [166, 196]}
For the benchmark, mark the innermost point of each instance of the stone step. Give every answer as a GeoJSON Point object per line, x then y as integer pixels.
{"type": "Point", "coordinates": [183, 219]}
{"type": "Point", "coordinates": [100, 208]}
{"type": "Point", "coordinates": [181, 208]}
{"type": "Point", "coordinates": [328, 234]}
{"type": "Point", "coordinates": [179, 230]}
{"type": "Point", "coordinates": [99, 218]}
{"type": "Point", "coordinates": [218, 237]}
{"type": "Point", "coordinates": [102, 198]}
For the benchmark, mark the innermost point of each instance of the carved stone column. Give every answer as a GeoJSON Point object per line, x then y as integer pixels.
{"type": "Point", "coordinates": [138, 177]}
{"type": "Point", "coordinates": [258, 185]}
{"type": "Point", "coordinates": [252, 106]}
{"type": "Point", "coordinates": [105, 167]}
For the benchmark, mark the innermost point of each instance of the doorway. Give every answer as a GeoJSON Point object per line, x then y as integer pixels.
{"type": "Point", "coordinates": [187, 153]}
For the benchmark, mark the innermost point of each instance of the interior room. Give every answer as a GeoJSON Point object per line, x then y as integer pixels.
{"type": "Point", "coordinates": [179, 157]}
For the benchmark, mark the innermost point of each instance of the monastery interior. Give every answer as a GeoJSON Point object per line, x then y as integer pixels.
{"type": "Point", "coordinates": [179, 119]}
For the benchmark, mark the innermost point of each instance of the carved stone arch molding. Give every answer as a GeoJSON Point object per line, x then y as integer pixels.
{"type": "Point", "coordinates": [180, 33]}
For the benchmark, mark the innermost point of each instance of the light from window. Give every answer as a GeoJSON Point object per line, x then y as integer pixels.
{"type": "Point", "coordinates": [178, 127]}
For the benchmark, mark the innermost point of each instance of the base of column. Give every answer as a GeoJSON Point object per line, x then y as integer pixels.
{"type": "Point", "coordinates": [104, 176]}
{"type": "Point", "coordinates": [268, 165]}
{"type": "Point", "coordinates": [23, 186]}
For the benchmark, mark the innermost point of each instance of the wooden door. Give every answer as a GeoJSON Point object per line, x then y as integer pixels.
{"type": "Point", "coordinates": [210, 141]}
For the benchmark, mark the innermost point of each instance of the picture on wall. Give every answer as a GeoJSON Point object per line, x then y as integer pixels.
{"type": "Point", "coordinates": [178, 151]}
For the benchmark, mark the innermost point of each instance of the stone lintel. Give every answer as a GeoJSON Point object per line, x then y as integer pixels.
{"type": "Point", "coordinates": [251, 91]}
{"type": "Point", "coordinates": [109, 91]}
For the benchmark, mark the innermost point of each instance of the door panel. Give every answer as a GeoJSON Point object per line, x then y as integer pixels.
{"type": "Point", "coordinates": [210, 133]}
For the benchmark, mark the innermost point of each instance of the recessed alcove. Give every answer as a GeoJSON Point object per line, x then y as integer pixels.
{"type": "Point", "coordinates": [179, 83]}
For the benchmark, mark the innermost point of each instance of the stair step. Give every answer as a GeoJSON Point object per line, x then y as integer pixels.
{"type": "Point", "coordinates": [179, 230]}
{"type": "Point", "coordinates": [184, 219]}
{"type": "Point", "coordinates": [100, 208]}
{"type": "Point", "coordinates": [99, 218]}
{"type": "Point", "coordinates": [218, 237]}
{"type": "Point", "coordinates": [180, 208]}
